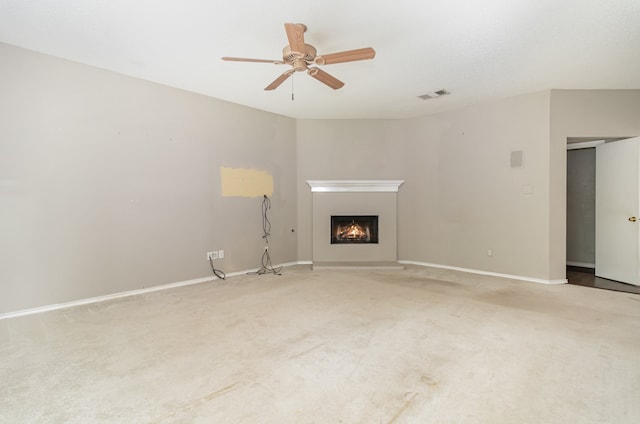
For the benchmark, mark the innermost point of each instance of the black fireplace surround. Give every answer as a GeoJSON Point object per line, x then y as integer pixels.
{"type": "Point", "coordinates": [354, 229]}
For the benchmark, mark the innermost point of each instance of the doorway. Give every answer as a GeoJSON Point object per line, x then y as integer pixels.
{"type": "Point", "coordinates": [581, 215]}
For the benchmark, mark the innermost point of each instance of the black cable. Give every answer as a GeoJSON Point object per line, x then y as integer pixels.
{"type": "Point", "coordinates": [266, 224]}
{"type": "Point", "coordinates": [218, 273]}
{"type": "Point", "coordinates": [267, 266]}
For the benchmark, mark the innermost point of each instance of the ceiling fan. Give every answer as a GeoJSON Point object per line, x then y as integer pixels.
{"type": "Point", "coordinates": [300, 55]}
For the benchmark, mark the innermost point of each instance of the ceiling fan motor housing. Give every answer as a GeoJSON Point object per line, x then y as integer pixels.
{"type": "Point", "coordinates": [299, 60]}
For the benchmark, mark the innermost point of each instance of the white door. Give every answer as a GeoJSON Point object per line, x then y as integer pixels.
{"type": "Point", "coordinates": [618, 211]}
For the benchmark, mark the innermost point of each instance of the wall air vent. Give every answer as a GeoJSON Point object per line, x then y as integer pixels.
{"type": "Point", "coordinates": [434, 94]}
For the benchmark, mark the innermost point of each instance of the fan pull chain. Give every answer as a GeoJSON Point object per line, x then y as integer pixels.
{"type": "Point", "coordinates": [292, 78]}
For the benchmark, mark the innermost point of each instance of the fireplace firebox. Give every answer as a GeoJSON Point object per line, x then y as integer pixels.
{"type": "Point", "coordinates": [354, 229]}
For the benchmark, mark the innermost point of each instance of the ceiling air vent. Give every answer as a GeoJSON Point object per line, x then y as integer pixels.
{"type": "Point", "coordinates": [434, 95]}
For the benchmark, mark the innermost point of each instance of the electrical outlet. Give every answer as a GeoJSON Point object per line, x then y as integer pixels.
{"type": "Point", "coordinates": [212, 255]}
{"type": "Point", "coordinates": [490, 252]}
{"type": "Point", "coordinates": [220, 254]}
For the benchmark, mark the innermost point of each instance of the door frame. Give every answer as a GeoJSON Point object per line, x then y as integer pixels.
{"type": "Point", "coordinates": [575, 143]}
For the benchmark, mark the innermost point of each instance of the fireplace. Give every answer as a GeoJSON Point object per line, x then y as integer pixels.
{"type": "Point", "coordinates": [354, 223]}
{"type": "Point", "coordinates": [354, 229]}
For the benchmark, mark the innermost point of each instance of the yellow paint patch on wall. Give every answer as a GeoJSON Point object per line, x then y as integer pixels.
{"type": "Point", "coordinates": [241, 182]}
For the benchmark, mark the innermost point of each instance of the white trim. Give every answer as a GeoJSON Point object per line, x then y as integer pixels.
{"type": "Point", "coordinates": [584, 144]}
{"type": "Point", "coordinates": [104, 298]}
{"type": "Point", "coordinates": [254, 270]}
{"type": "Point", "coordinates": [357, 267]}
{"type": "Point", "coordinates": [581, 264]}
{"type": "Point", "coordinates": [477, 271]}
{"type": "Point", "coordinates": [337, 186]}
{"type": "Point", "coordinates": [97, 299]}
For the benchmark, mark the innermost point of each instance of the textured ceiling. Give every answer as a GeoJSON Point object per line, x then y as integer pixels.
{"type": "Point", "coordinates": [478, 50]}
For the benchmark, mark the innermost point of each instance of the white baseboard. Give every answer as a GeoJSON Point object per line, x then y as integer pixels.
{"type": "Point", "coordinates": [97, 299]}
{"type": "Point", "coordinates": [477, 271]}
{"type": "Point", "coordinates": [581, 264]}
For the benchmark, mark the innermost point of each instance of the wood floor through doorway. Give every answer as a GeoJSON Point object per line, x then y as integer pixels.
{"type": "Point", "coordinates": [586, 277]}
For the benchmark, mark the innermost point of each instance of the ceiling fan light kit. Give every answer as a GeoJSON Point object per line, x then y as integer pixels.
{"type": "Point", "coordinates": [299, 56]}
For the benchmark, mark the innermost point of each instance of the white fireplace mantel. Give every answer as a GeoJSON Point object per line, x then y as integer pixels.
{"type": "Point", "coordinates": [339, 186]}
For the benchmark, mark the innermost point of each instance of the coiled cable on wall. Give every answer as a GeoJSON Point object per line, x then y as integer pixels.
{"type": "Point", "coordinates": [217, 272]}
{"type": "Point", "coordinates": [267, 266]}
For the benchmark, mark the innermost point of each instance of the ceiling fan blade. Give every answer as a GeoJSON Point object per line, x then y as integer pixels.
{"type": "Point", "coordinates": [325, 78]}
{"type": "Point", "coordinates": [295, 34]}
{"type": "Point", "coordinates": [242, 59]}
{"type": "Point", "coordinates": [282, 78]}
{"type": "Point", "coordinates": [346, 56]}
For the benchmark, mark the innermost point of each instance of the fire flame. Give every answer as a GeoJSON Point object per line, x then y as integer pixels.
{"type": "Point", "coordinates": [353, 232]}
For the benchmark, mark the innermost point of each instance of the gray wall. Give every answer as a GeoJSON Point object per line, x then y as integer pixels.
{"type": "Point", "coordinates": [460, 197]}
{"type": "Point", "coordinates": [468, 198]}
{"type": "Point", "coordinates": [581, 207]}
{"type": "Point", "coordinates": [345, 150]}
{"type": "Point", "coordinates": [581, 113]}
{"type": "Point", "coordinates": [109, 183]}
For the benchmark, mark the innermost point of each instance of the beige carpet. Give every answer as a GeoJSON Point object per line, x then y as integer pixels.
{"type": "Point", "coordinates": [331, 346]}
